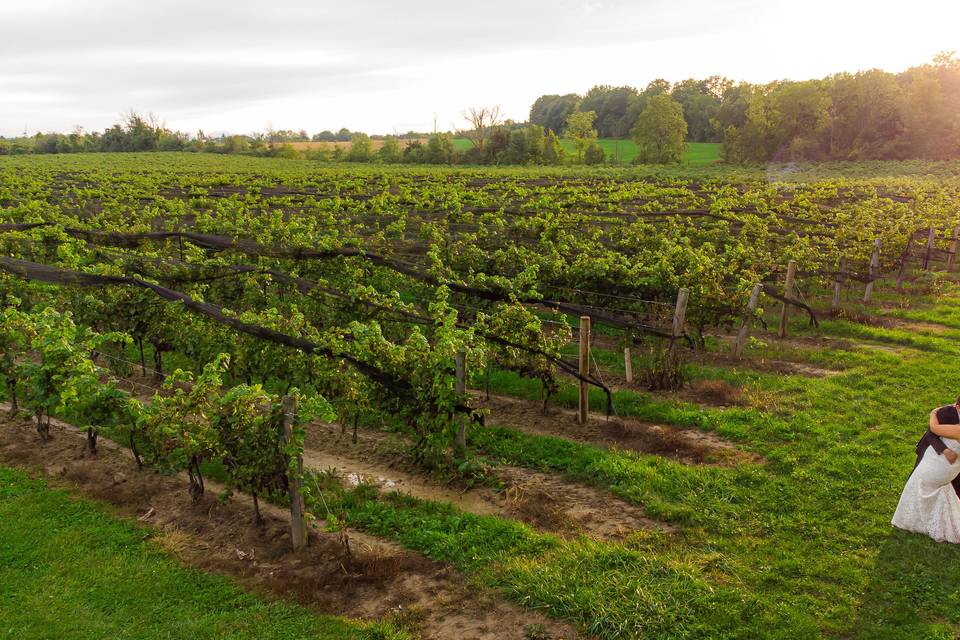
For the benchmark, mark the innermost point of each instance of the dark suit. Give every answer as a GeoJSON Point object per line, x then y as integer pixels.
{"type": "Point", "coordinates": [945, 415]}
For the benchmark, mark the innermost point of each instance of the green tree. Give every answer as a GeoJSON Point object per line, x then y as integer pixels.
{"type": "Point", "coordinates": [594, 154]}
{"type": "Point", "coordinates": [360, 148]}
{"type": "Point", "coordinates": [440, 149]}
{"type": "Point", "coordinates": [579, 129]}
{"type": "Point", "coordinates": [612, 106]}
{"type": "Point", "coordinates": [551, 111]}
{"type": "Point", "coordinates": [390, 152]}
{"type": "Point", "coordinates": [661, 131]}
{"type": "Point", "coordinates": [552, 151]}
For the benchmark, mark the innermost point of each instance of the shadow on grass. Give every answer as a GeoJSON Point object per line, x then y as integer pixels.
{"type": "Point", "coordinates": [913, 590]}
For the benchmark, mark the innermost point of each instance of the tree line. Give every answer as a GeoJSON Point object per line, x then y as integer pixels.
{"type": "Point", "coordinates": [869, 115]}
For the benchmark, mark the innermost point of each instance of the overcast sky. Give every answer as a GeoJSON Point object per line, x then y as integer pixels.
{"type": "Point", "coordinates": [390, 66]}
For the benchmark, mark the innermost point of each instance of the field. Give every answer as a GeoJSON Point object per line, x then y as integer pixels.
{"type": "Point", "coordinates": [618, 151]}
{"type": "Point", "coordinates": [624, 151]}
{"type": "Point", "coordinates": [710, 496]}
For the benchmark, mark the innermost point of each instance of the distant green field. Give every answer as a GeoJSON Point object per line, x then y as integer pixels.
{"type": "Point", "coordinates": [624, 151]}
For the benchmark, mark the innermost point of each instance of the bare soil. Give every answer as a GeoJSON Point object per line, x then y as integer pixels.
{"type": "Point", "coordinates": [365, 578]}
{"type": "Point", "coordinates": [548, 502]}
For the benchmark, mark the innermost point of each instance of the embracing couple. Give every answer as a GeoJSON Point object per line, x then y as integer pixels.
{"type": "Point", "coordinates": [930, 503]}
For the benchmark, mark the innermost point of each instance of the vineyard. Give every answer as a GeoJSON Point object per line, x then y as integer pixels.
{"type": "Point", "coordinates": [610, 400]}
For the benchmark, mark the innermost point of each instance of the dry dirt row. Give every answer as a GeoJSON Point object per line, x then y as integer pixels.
{"type": "Point", "coordinates": [548, 502]}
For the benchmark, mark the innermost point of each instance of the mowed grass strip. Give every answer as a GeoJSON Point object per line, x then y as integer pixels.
{"type": "Point", "coordinates": [70, 570]}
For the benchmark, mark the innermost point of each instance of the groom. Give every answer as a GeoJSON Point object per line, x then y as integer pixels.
{"type": "Point", "coordinates": [949, 414]}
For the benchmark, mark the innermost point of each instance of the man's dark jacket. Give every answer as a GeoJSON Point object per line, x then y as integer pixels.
{"type": "Point", "coordinates": [945, 415]}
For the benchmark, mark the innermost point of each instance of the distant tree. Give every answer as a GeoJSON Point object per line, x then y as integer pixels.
{"type": "Point", "coordinates": [535, 141]}
{"type": "Point", "coordinates": [865, 119]}
{"type": "Point", "coordinates": [390, 152]}
{"type": "Point", "coordinates": [701, 102]}
{"type": "Point", "coordinates": [551, 111]}
{"type": "Point", "coordinates": [612, 106]}
{"type": "Point", "coordinates": [114, 139]}
{"type": "Point", "coordinates": [284, 150]}
{"type": "Point", "coordinates": [552, 150]}
{"type": "Point", "coordinates": [360, 148]}
{"type": "Point", "coordinates": [498, 148]}
{"type": "Point", "coordinates": [784, 120]}
{"type": "Point", "coordinates": [579, 129]}
{"type": "Point", "coordinates": [482, 121]}
{"type": "Point", "coordinates": [661, 131]}
{"type": "Point", "coordinates": [594, 154]}
{"type": "Point", "coordinates": [439, 149]}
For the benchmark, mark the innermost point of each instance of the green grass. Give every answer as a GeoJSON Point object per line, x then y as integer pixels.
{"type": "Point", "coordinates": [70, 570]}
{"type": "Point", "coordinates": [624, 151]}
{"type": "Point", "coordinates": [797, 547]}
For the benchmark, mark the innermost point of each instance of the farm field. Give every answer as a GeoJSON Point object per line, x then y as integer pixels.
{"type": "Point", "coordinates": [709, 496]}
{"type": "Point", "coordinates": [624, 151]}
{"type": "Point", "coordinates": [620, 152]}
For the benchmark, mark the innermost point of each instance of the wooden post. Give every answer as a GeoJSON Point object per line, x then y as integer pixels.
{"type": "Point", "coordinates": [926, 256]}
{"type": "Point", "coordinates": [838, 287]}
{"type": "Point", "coordinates": [874, 272]}
{"type": "Point", "coordinates": [954, 244]}
{"type": "Point", "coordinates": [744, 332]}
{"type": "Point", "coordinates": [628, 364]}
{"type": "Point", "coordinates": [584, 405]}
{"type": "Point", "coordinates": [460, 443]}
{"type": "Point", "coordinates": [680, 312]}
{"type": "Point", "coordinates": [298, 522]}
{"type": "Point", "coordinates": [787, 290]}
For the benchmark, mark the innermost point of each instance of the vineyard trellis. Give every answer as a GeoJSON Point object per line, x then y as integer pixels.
{"type": "Point", "coordinates": [385, 292]}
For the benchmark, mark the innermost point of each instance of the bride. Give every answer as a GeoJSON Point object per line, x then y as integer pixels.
{"type": "Point", "coordinates": [929, 504]}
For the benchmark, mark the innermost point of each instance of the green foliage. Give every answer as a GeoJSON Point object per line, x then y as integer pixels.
{"type": "Point", "coordinates": [594, 154]}
{"type": "Point", "coordinates": [360, 148]}
{"type": "Point", "coordinates": [62, 375]}
{"type": "Point", "coordinates": [660, 131]}
{"type": "Point", "coordinates": [579, 129]}
{"type": "Point", "coordinates": [390, 152]}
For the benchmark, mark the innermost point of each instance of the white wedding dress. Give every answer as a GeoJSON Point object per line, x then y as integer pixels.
{"type": "Point", "coordinates": [929, 503]}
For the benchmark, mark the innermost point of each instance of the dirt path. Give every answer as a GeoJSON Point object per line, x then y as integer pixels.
{"type": "Point", "coordinates": [548, 502]}
{"type": "Point", "coordinates": [690, 446]}
{"type": "Point", "coordinates": [375, 579]}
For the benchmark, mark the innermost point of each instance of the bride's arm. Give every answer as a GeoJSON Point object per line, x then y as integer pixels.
{"type": "Point", "coordinates": [943, 430]}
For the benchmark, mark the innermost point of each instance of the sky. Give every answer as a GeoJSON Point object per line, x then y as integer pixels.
{"type": "Point", "coordinates": [241, 66]}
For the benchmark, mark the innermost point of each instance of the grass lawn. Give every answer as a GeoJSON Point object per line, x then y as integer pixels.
{"type": "Point", "coordinates": [69, 570]}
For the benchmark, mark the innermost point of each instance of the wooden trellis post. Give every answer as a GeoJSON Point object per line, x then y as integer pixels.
{"type": "Point", "coordinates": [680, 313]}
{"type": "Point", "coordinates": [460, 443]}
{"type": "Point", "coordinates": [838, 286]}
{"type": "Point", "coordinates": [584, 405]}
{"type": "Point", "coordinates": [874, 272]}
{"type": "Point", "coordinates": [787, 289]}
{"type": "Point", "coordinates": [926, 256]}
{"type": "Point", "coordinates": [628, 356]}
{"type": "Point", "coordinates": [954, 244]}
{"type": "Point", "coordinates": [298, 522]}
{"type": "Point", "coordinates": [744, 331]}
